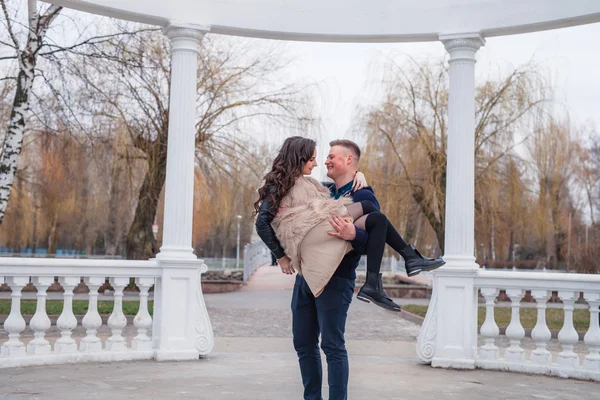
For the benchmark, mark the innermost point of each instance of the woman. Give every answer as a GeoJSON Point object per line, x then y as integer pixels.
{"type": "Point", "coordinates": [297, 209]}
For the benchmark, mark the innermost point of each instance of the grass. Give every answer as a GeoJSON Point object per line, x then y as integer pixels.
{"type": "Point", "coordinates": [54, 307]}
{"type": "Point", "coordinates": [554, 316]}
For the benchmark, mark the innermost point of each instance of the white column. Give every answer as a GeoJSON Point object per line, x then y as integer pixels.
{"type": "Point", "coordinates": [456, 305]}
{"type": "Point", "coordinates": [40, 322]}
{"type": "Point", "coordinates": [592, 336]}
{"type": "Point", "coordinates": [181, 326]}
{"type": "Point", "coordinates": [460, 168]}
{"type": "Point", "coordinates": [179, 186]}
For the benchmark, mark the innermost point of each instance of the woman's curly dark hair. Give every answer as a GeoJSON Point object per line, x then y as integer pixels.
{"type": "Point", "coordinates": [295, 152]}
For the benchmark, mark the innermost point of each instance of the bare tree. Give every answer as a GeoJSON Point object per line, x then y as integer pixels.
{"type": "Point", "coordinates": [234, 92]}
{"type": "Point", "coordinates": [411, 120]}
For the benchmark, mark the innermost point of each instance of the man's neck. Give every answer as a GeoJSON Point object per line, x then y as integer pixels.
{"type": "Point", "coordinates": [344, 179]}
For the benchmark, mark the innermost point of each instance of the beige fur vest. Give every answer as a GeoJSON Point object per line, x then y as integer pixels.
{"type": "Point", "coordinates": [305, 206]}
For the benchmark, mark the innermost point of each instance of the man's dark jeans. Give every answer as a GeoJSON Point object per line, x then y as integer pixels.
{"type": "Point", "coordinates": [326, 315]}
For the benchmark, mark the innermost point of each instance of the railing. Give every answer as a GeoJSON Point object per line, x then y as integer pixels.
{"type": "Point", "coordinates": [445, 341]}
{"type": "Point", "coordinates": [391, 264]}
{"type": "Point", "coordinates": [255, 255]}
{"type": "Point", "coordinates": [180, 301]}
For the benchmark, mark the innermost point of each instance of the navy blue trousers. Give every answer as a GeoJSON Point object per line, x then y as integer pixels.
{"type": "Point", "coordinates": [324, 315]}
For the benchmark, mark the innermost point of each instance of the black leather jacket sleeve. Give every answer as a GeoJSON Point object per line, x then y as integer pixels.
{"type": "Point", "coordinates": [265, 230]}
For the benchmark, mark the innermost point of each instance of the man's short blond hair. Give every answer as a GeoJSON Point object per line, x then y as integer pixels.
{"type": "Point", "coordinates": [349, 145]}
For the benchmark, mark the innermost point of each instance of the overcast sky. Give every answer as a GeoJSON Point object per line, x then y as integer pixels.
{"type": "Point", "coordinates": [571, 57]}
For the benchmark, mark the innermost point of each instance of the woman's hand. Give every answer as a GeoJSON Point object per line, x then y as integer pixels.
{"type": "Point", "coordinates": [359, 182]}
{"type": "Point", "coordinates": [286, 265]}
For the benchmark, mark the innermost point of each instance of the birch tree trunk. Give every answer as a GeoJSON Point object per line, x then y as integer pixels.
{"type": "Point", "coordinates": [27, 57]}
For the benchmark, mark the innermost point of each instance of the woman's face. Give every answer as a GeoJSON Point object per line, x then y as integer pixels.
{"type": "Point", "coordinates": [308, 167]}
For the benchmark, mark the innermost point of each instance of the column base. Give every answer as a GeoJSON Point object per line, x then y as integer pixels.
{"type": "Point", "coordinates": [90, 347]}
{"type": "Point", "coordinates": [176, 253]}
{"type": "Point", "coordinates": [65, 347]}
{"type": "Point", "coordinates": [456, 363]}
{"type": "Point", "coordinates": [38, 349]}
{"type": "Point", "coordinates": [13, 351]}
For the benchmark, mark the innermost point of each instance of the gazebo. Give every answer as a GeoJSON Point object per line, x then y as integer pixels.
{"type": "Point", "coordinates": [449, 335]}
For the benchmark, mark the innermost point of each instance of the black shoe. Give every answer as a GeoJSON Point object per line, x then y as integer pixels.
{"type": "Point", "coordinates": [372, 291]}
{"type": "Point", "coordinates": [415, 262]}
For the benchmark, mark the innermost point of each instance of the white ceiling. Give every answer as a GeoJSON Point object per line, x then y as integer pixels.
{"type": "Point", "coordinates": [352, 20]}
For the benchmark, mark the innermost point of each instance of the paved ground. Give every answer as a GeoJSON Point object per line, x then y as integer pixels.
{"type": "Point", "coordinates": [254, 359]}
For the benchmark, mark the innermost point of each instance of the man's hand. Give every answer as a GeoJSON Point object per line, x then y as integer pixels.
{"type": "Point", "coordinates": [286, 266]}
{"type": "Point", "coordinates": [344, 228]}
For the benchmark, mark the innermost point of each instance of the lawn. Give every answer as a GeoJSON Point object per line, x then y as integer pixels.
{"type": "Point", "coordinates": [554, 316]}
{"type": "Point", "coordinates": [54, 307]}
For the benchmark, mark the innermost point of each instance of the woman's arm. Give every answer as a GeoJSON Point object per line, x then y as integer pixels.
{"type": "Point", "coordinates": [265, 230]}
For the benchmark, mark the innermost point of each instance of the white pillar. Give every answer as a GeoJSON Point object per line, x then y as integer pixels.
{"type": "Point", "coordinates": [179, 185]}
{"type": "Point", "coordinates": [181, 327]}
{"type": "Point", "coordinates": [450, 332]}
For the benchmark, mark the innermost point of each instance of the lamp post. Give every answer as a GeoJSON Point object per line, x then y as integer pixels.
{"type": "Point", "coordinates": [237, 257]}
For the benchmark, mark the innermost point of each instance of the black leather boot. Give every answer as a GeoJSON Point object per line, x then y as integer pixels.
{"type": "Point", "coordinates": [372, 291]}
{"type": "Point", "coordinates": [415, 262]}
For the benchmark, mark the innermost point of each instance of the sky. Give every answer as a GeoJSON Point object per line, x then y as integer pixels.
{"type": "Point", "coordinates": [343, 71]}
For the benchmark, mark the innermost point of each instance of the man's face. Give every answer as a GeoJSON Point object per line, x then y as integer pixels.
{"type": "Point", "coordinates": [339, 162]}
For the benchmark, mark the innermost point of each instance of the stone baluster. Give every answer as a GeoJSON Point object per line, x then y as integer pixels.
{"type": "Point", "coordinates": [515, 331]}
{"type": "Point", "coordinates": [143, 320]}
{"type": "Point", "coordinates": [541, 334]}
{"type": "Point", "coordinates": [66, 321]}
{"type": "Point", "coordinates": [92, 320]}
{"type": "Point", "coordinates": [568, 335]}
{"type": "Point", "coordinates": [117, 320]}
{"type": "Point", "coordinates": [489, 329]}
{"type": "Point", "coordinates": [40, 322]}
{"type": "Point", "coordinates": [14, 323]}
{"type": "Point", "coordinates": [592, 336]}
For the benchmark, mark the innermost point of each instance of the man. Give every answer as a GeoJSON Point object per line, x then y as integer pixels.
{"type": "Point", "coordinates": [326, 314]}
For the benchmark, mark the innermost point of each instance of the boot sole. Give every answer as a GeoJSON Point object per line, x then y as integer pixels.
{"type": "Point", "coordinates": [368, 299]}
{"type": "Point", "coordinates": [434, 267]}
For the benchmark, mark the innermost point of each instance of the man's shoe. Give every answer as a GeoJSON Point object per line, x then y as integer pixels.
{"type": "Point", "coordinates": [372, 292]}
{"type": "Point", "coordinates": [415, 262]}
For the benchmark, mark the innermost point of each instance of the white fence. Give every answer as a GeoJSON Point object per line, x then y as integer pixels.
{"type": "Point", "coordinates": [168, 336]}
{"type": "Point", "coordinates": [447, 341]}
{"type": "Point", "coordinates": [255, 255]}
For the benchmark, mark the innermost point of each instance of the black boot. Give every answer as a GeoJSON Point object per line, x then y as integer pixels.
{"type": "Point", "coordinates": [372, 291]}
{"type": "Point", "coordinates": [415, 262]}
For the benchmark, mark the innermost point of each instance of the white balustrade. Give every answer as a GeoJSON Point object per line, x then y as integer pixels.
{"type": "Point", "coordinates": [143, 320]}
{"type": "Point", "coordinates": [568, 335]}
{"type": "Point", "coordinates": [118, 339]}
{"type": "Point", "coordinates": [40, 322]}
{"type": "Point", "coordinates": [541, 334]}
{"type": "Point", "coordinates": [67, 321]}
{"type": "Point", "coordinates": [92, 320]}
{"type": "Point", "coordinates": [592, 336]}
{"type": "Point", "coordinates": [515, 331]}
{"type": "Point", "coordinates": [489, 329]}
{"type": "Point", "coordinates": [255, 255]}
{"type": "Point", "coordinates": [117, 320]}
{"type": "Point", "coordinates": [15, 323]}
{"type": "Point", "coordinates": [542, 358]}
